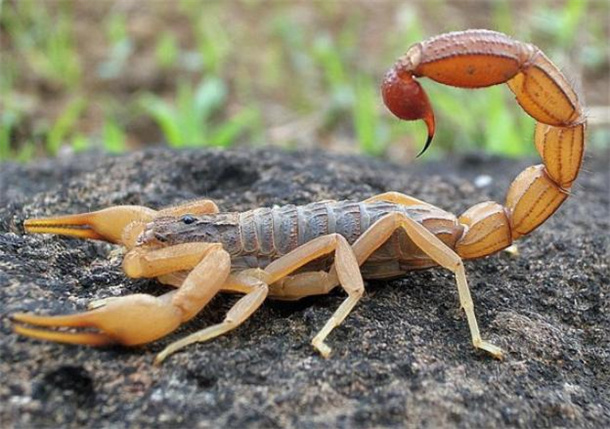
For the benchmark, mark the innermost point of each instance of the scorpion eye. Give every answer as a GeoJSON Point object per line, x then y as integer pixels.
{"type": "Point", "coordinates": [188, 219]}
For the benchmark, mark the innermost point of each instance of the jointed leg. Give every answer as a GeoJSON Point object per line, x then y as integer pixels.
{"type": "Point", "coordinates": [438, 251]}
{"type": "Point", "coordinates": [304, 284]}
{"type": "Point", "coordinates": [347, 272]}
{"type": "Point", "coordinates": [174, 279]}
{"type": "Point", "coordinates": [256, 292]}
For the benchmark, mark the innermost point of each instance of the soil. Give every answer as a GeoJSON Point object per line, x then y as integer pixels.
{"type": "Point", "coordinates": [402, 358]}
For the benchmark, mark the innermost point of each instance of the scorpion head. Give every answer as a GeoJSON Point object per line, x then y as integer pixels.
{"type": "Point", "coordinates": [172, 230]}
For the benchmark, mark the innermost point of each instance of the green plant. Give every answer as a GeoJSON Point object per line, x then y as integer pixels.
{"type": "Point", "coordinates": [113, 137]}
{"type": "Point", "coordinates": [24, 152]}
{"type": "Point", "coordinates": [189, 122]}
{"type": "Point", "coordinates": [371, 132]}
{"type": "Point", "coordinates": [287, 63]}
{"type": "Point", "coordinates": [80, 143]}
{"type": "Point", "coordinates": [561, 24]}
{"type": "Point", "coordinates": [121, 47]}
{"type": "Point", "coordinates": [487, 119]}
{"type": "Point", "coordinates": [167, 50]}
{"type": "Point", "coordinates": [7, 123]}
{"type": "Point", "coordinates": [212, 38]}
{"type": "Point", "coordinates": [44, 40]}
{"type": "Point", "coordinates": [64, 125]}
{"type": "Point", "coordinates": [502, 17]}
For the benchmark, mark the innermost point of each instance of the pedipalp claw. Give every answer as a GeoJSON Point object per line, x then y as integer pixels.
{"type": "Point", "coordinates": [130, 320]}
{"type": "Point", "coordinates": [82, 320]}
{"type": "Point", "coordinates": [84, 338]}
{"type": "Point", "coordinates": [107, 224]}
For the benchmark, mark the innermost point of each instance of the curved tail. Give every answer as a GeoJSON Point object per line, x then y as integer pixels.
{"type": "Point", "coordinates": [481, 58]}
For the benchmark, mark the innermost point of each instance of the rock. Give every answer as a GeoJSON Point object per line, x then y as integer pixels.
{"type": "Point", "coordinates": [403, 356]}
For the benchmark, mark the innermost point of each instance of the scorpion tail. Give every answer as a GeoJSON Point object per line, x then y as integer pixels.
{"type": "Point", "coordinates": [407, 100]}
{"type": "Point", "coordinates": [481, 58]}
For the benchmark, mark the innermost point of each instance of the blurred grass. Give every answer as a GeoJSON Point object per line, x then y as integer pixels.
{"type": "Point", "coordinates": [186, 121]}
{"type": "Point", "coordinates": [120, 75]}
{"type": "Point", "coordinates": [44, 40]}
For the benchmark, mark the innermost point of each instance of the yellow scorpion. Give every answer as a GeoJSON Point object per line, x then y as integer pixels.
{"type": "Point", "coordinates": [296, 251]}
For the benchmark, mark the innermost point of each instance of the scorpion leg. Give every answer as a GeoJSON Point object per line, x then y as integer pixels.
{"type": "Point", "coordinates": [300, 285]}
{"type": "Point", "coordinates": [382, 230]}
{"type": "Point", "coordinates": [174, 279]}
{"type": "Point", "coordinates": [347, 271]}
{"type": "Point", "coordinates": [321, 282]}
{"type": "Point", "coordinates": [256, 291]}
{"type": "Point", "coordinates": [139, 318]}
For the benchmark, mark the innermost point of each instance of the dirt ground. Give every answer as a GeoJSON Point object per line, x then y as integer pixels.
{"type": "Point", "coordinates": [403, 356]}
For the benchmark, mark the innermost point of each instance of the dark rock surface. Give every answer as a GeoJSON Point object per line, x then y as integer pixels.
{"type": "Point", "coordinates": [403, 356]}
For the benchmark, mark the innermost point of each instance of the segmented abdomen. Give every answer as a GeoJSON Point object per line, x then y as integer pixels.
{"type": "Point", "coordinates": [268, 233]}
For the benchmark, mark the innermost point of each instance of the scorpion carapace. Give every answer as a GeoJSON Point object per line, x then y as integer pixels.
{"type": "Point", "coordinates": [291, 252]}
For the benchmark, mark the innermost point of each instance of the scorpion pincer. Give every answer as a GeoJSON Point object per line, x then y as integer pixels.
{"type": "Point", "coordinates": [291, 252]}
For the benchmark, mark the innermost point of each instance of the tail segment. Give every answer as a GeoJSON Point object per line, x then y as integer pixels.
{"type": "Point", "coordinates": [481, 58]}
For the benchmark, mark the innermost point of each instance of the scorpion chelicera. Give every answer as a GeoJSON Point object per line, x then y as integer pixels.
{"type": "Point", "coordinates": [295, 251]}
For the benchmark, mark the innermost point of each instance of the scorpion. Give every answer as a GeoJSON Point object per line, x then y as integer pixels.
{"type": "Point", "coordinates": [291, 252]}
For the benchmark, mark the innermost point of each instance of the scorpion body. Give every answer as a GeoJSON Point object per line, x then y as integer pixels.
{"type": "Point", "coordinates": [258, 237]}
{"type": "Point", "coordinates": [291, 252]}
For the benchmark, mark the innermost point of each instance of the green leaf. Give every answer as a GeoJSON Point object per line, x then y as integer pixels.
{"type": "Point", "coordinates": [167, 50]}
{"type": "Point", "coordinates": [63, 126]}
{"type": "Point", "coordinates": [366, 121]}
{"type": "Point", "coordinates": [113, 137]}
{"type": "Point", "coordinates": [7, 121]}
{"type": "Point", "coordinates": [165, 117]}
{"type": "Point", "coordinates": [80, 143]}
{"type": "Point", "coordinates": [226, 134]}
{"type": "Point", "coordinates": [210, 95]}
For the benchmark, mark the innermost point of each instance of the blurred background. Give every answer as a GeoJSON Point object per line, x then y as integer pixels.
{"type": "Point", "coordinates": [126, 74]}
